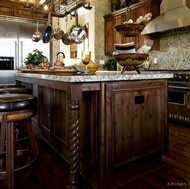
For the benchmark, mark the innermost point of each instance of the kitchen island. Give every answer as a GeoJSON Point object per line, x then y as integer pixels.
{"type": "Point", "coordinates": [109, 127]}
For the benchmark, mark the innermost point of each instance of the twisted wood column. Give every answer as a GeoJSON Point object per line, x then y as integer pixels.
{"type": "Point", "coordinates": [73, 144]}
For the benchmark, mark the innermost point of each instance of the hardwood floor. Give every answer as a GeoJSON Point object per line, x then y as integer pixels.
{"type": "Point", "coordinates": [175, 172]}
{"type": "Point", "coordinates": [51, 172]}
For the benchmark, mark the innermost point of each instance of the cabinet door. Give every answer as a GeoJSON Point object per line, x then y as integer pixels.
{"type": "Point", "coordinates": [128, 16]}
{"type": "Point", "coordinates": [6, 9]}
{"type": "Point", "coordinates": [118, 19]}
{"type": "Point", "coordinates": [60, 115]}
{"type": "Point", "coordinates": [135, 121]}
{"type": "Point", "coordinates": [108, 35]}
{"type": "Point", "coordinates": [141, 11]}
{"type": "Point", "coordinates": [19, 11]}
{"type": "Point", "coordinates": [44, 110]}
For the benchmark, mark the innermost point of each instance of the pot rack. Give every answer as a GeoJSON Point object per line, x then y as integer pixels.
{"type": "Point", "coordinates": [60, 8]}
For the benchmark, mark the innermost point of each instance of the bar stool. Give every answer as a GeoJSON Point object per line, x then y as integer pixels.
{"type": "Point", "coordinates": [11, 86]}
{"type": "Point", "coordinates": [14, 89]}
{"type": "Point", "coordinates": [18, 126]}
{"type": "Point", "coordinates": [16, 108]}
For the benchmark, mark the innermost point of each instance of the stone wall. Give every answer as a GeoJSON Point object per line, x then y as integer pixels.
{"type": "Point", "coordinates": [174, 52]}
{"type": "Point", "coordinates": [102, 7]}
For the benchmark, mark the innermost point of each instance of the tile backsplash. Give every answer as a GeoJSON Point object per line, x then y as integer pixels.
{"type": "Point", "coordinates": [174, 53]}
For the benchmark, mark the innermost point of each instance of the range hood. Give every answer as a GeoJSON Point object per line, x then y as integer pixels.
{"type": "Point", "coordinates": [176, 15]}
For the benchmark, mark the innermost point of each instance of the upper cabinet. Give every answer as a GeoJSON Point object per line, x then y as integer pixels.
{"type": "Point", "coordinates": [118, 17]}
{"type": "Point", "coordinates": [9, 8]}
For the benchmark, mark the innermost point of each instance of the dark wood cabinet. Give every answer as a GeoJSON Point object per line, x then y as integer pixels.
{"type": "Point", "coordinates": [52, 118]}
{"type": "Point", "coordinates": [108, 35]}
{"type": "Point", "coordinates": [16, 9]}
{"type": "Point", "coordinates": [118, 17]}
{"type": "Point", "coordinates": [132, 132]}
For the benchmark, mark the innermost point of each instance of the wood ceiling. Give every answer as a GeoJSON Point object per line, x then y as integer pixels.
{"type": "Point", "coordinates": [30, 1]}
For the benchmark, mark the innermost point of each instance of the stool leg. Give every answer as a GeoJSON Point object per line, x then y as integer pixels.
{"type": "Point", "coordinates": [10, 150]}
{"type": "Point", "coordinates": [2, 139]}
{"type": "Point", "coordinates": [31, 137]}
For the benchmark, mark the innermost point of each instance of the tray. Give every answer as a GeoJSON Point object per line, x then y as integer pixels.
{"type": "Point", "coordinates": [64, 72]}
{"type": "Point", "coordinates": [45, 71]}
{"type": "Point", "coordinates": [41, 71]}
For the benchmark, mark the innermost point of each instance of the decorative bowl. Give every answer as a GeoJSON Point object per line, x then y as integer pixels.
{"type": "Point", "coordinates": [129, 30]}
{"type": "Point", "coordinates": [131, 59]}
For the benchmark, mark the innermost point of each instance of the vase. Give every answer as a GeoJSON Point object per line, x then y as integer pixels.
{"type": "Point", "coordinates": [92, 67]}
{"type": "Point", "coordinates": [115, 5]}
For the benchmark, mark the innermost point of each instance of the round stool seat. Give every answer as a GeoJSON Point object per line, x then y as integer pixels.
{"type": "Point", "coordinates": [16, 108]}
{"type": "Point", "coordinates": [11, 86]}
{"type": "Point", "coordinates": [14, 102]}
{"type": "Point", "coordinates": [15, 90]}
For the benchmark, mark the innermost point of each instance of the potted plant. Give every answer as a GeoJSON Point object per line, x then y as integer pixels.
{"type": "Point", "coordinates": [110, 65]}
{"type": "Point", "coordinates": [35, 58]}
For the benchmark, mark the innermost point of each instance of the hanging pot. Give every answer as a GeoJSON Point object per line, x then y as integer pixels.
{"type": "Point", "coordinates": [66, 38]}
{"type": "Point", "coordinates": [58, 32]}
{"type": "Point", "coordinates": [37, 35]}
{"type": "Point", "coordinates": [48, 35]}
{"type": "Point", "coordinates": [78, 35]}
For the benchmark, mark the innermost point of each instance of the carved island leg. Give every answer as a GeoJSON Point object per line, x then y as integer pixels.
{"type": "Point", "coordinates": [73, 144]}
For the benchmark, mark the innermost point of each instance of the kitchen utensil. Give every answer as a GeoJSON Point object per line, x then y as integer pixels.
{"type": "Point", "coordinates": [78, 35]}
{"type": "Point", "coordinates": [37, 35]}
{"type": "Point", "coordinates": [60, 56]}
{"type": "Point", "coordinates": [48, 35]}
{"type": "Point", "coordinates": [66, 38]}
{"type": "Point", "coordinates": [58, 32]}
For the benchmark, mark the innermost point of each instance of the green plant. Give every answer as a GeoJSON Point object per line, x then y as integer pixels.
{"type": "Point", "coordinates": [35, 57]}
{"type": "Point", "coordinates": [110, 65]}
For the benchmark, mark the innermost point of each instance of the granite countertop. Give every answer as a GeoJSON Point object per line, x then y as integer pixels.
{"type": "Point", "coordinates": [101, 76]}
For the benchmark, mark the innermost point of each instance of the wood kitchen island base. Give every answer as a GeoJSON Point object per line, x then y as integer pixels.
{"type": "Point", "coordinates": [106, 129]}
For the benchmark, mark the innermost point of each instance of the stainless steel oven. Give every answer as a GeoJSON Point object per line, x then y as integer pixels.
{"type": "Point", "coordinates": [179, 97]}
{"type": "Point", "coordinates": [6, 63]}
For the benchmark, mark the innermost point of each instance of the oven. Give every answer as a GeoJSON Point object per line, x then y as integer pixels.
{"type": "Point", "coordinates": [179, 97]}
{"type": "Point", "coordinates": [6, 63]}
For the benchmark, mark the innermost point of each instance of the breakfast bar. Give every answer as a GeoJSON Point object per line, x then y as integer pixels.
{"type": "Point", "coordinates": [108, 126]}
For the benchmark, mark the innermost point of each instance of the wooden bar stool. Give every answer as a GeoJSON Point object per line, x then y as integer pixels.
{"type": "Point", "coordinates": [16, 108]}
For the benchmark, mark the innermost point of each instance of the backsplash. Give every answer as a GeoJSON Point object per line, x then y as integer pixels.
{"type": "Point", "coordinates": [174, 53]}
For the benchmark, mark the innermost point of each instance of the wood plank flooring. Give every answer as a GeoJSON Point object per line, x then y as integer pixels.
{"type": "Point", "coordinates": [51, 171]}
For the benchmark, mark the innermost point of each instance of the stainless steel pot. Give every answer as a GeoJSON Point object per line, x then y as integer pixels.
{"type": "Point", "coordinates": [37, 35]}
{"type": "Point", "coordinates": [78, 35]}
{"type": "Point", "coordinates": [66, 38]}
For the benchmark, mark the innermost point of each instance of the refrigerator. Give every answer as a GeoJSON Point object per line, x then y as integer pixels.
{"type": "Point", "coordinates": [16, 42]}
